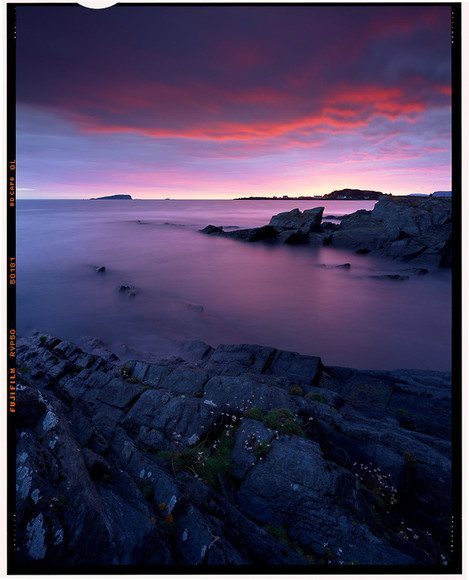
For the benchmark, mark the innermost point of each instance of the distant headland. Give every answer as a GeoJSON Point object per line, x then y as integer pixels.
{"type": "Point", "coordinates": [117, 196]}
{"type": "Point", "coordinates": [347, 194]}
{"type": "Point", "coordinates": [342, 194]}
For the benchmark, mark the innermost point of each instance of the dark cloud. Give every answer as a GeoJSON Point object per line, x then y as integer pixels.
{"type": "Point", "coordinates": [236, 81]}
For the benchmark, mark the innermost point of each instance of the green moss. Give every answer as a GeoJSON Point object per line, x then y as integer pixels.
{"type": "Point", "coordinates": [42, 339]}
{"type": "Point", "coordinates": [217, 461]}
{"type": "Point", "coordinates": [261, 449]}
{"type": "Point", "coordinates": [205, 462]}
{"type": "Point", "coordinates": [163, 454]}
{"type": "Point", "coordinates": [283, 421]}
{"type": "Point", "coordinates": [296, 390]}
{"type": "Point", "coordinates": [185, 460]}
{"type": "Point", "coordinates": [316, 397]}
{"type": "Point", "coordinates": [255, 414]}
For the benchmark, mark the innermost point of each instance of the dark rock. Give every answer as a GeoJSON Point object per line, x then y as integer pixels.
{"type": "Point", "coordinates": [297, 238]}
{"type": "Point", "coordinates": [264, 233]}
{"type": "Point", "coordinates": [412, 229]}
{"type": "Point", "coordinates": [329, 226]}
{"type": "Point", "coordinates": [210, 230]}
{"type": "Point", "coordinates": [297, 489]}
{"type": "Point", "coordinates": [30, 406]}
{"type": "Point", "coordinates": [418, 271]}
{"type": "Point", "coordinates": [345, 266]}
{"type": "Point", "coordinates": [96, 346]}
{"type": "Point", "coordinates": [194, 350]}
{"type": "Point", "coordinates": [127, 289]}
{"type": "Point", "coordinates": [291, 220]}
{"type": "Point", "coordinates": [101, 269]}
{"type": "Point", "coordinates": [306, 221]}
{"type": "Point", "coordinates": [96, 465]}
{"type": "Point", "coordinates": [195, 307]}
{"type": "Point", "coordinates": [198, 463]}
{"type": "Point", "coordinates": [251, 438]}
{"type": "Point", "coordinates": [293, 227]}
{"type": "Point", "coordinates": [395, 277]}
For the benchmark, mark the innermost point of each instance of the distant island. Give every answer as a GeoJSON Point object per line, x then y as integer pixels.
{"type": "Point", "coordinates": [342, 194]}
{"type": "Point", "coordinates": [117, 196]}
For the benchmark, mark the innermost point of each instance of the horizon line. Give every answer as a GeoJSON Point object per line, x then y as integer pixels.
{"type": "Point", "coordinates": [253, 198]}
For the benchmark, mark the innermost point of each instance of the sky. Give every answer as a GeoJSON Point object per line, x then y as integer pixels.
{"type": "Point", "coordinates": [227, 101]}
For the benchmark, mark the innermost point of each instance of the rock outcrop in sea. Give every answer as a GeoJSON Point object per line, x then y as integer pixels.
{"type": "Point", "coordinates": [234, 455]}
{"type": "Point", "coordinates": [411, 229]}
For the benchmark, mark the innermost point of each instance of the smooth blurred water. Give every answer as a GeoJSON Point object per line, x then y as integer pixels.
{"type": "Point", "coordinates": [255, 293]}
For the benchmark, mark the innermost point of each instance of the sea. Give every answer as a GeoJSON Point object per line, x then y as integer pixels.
{"type": "Point", "coordinates": [190, 286]}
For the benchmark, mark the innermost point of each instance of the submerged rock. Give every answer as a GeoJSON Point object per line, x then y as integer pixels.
{"type": "Point", "coordinates": [212, 230]}
{"type": "Point", "coordinates": [239, 455]}
{"type": "Point", "coordinates": [195, 307]}
{"type": "Point", "coordinates": [395, 277]}
{"type": "Point", "coordinates": [127, 289]}
{"type": "Point", "coordinates": [345, 266]}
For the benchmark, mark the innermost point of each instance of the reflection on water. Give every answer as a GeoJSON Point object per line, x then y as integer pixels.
{"type": "Point", "coordinates": [191, 286]}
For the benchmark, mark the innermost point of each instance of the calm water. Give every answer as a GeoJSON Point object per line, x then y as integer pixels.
{"type": "Point", "coordinates": [253, 293]}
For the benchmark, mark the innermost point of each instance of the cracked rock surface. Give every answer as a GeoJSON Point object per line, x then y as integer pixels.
{"type": "Point", "coordinates": [235, 455]}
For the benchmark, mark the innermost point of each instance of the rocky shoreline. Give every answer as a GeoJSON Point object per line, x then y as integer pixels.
{"type": "Point", "coordinates": [411, 229]}
{"type": "Point", "coordinates": [230, 456]}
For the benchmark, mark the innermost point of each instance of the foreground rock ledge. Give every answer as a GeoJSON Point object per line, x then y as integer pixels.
{"type": "Point", "coordinates": [237, 455]}
{"type": "Point", "coordinates": [415, 230]}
